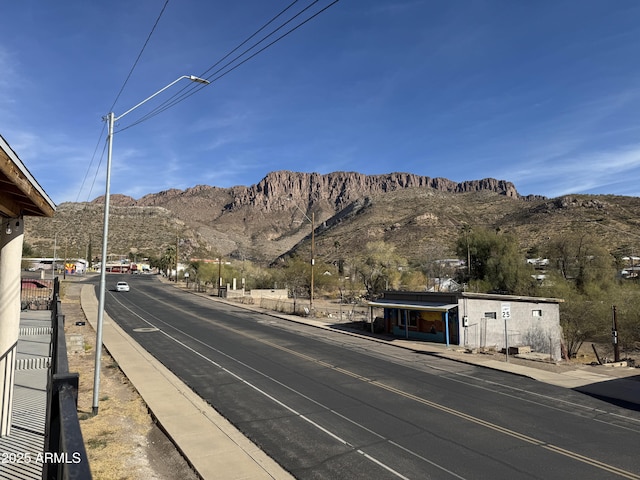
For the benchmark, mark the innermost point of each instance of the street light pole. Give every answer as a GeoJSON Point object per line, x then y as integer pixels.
{"type": "Point", "coordinates": [111, 119]}
{"type": "Point", "coordinates": [177, 241]}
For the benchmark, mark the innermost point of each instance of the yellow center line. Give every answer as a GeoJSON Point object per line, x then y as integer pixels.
{"type": "Point", "coordinates": [465, 416]}
{"type": "Point", "coordinates": [443, 408]}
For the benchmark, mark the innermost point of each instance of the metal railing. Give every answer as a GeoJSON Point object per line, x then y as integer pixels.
{"type": "Point", "coordinates": [36, 294]}
{"type": "Point", "coordinates": [63, 443]}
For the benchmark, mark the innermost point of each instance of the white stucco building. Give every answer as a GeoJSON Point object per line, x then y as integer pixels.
{"type": "Point", "coordinates": [474, 320]}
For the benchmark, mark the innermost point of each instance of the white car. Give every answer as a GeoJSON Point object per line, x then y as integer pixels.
{"type": "Point", "coordinates": [122, 287]}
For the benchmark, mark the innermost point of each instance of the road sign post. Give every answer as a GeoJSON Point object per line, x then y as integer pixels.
{"type": "Point", "coordinates": [506, 315]}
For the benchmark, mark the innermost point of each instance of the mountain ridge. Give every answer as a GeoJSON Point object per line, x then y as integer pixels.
{"type": "Point", "coordinates": [272, 218]}
{"type": "Point", "coordinates": [339, 186]}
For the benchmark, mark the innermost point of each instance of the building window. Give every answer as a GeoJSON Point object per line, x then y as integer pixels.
{"type": "Point", "coordinates": [490, 315]}
{"type": "Point", "coordinates": [536, 313]}
{"type": "Point", "coordinates": [411, 314]}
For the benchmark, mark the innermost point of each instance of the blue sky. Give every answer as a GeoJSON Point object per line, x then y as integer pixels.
{"type": "Point", "coordinates": [545, 93]}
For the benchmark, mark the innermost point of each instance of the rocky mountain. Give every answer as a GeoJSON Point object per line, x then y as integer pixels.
{"type": "Point", "coordinates": [273, 217]}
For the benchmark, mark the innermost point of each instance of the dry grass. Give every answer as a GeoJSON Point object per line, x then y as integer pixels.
{"type": "Point", "coordinates": [122, 438]}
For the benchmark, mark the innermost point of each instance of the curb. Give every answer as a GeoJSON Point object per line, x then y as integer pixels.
{"type": "Point", "coordinates": [211, 444]}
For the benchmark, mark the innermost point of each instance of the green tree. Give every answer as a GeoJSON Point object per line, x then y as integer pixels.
{"type": "Point", "coordinates": [208, 273]}
{"type": "Point", "coordinates": [260, 277]}
{"type": "Point", "coordinates": [193, 269]}
{"type": "Point", "coordinates": [297, 276]}
{"type": "Point", "coordinates": [582, 260]}
{"type": "Point", "coordinates": [378, 268]}
{"type": "Point", "coordinates": [325, 278]}
{"type": "Point", "coordinates": [167, 260]}
{"type": "Point", "coordinates": [494, 263]}
{"type": "Point", "coordinates": [582, 317]}
{"type": "Point", "coordinates": [413, 280]}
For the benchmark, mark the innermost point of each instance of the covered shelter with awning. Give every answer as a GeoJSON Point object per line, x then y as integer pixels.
{"type": "Point", "coordinates": [20, 196]}
{"type": "Point", "coordinates": [433, 321]}
{"type": "Point", "coordinates": [471, 319]}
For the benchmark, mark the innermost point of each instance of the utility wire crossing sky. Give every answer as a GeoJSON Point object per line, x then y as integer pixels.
{"type": "Point", "coordinates": [544, 94]}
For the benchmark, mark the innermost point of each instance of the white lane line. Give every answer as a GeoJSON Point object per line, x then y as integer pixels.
{"type": "Point", "coordinates": [453, 474]}
{"type": "Point", "coordinates": [551, 447]}
{"type": "Point", "coordinates": [377, 462]}
{"type": "Point", "coordinates": [262, 392]}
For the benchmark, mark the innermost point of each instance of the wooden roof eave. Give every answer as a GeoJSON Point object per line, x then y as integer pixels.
{"type": "Point", "coordinates": [20, 193]}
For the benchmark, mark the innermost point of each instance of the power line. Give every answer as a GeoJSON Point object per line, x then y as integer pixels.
{"type": "Point", "coordinates": [179, 95]}
{"type": "Point", "coordinates": [90, 164]}
{"type": "Point", "coordinates": [250, 37]}
{"type": "Point", "coordinates": [139, 55]}
{"type": "Point", "coordinates": [186, 92]}
{"type": "Point", "coordinates": [124, 84]}
{"type": "Point", "coordinates": [219, 73]}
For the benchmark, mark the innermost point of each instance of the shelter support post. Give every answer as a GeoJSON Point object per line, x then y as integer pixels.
{"type": "Point", "coordinates": [11, 238]}
{"type": "Point", "coordinates": [446, 327]}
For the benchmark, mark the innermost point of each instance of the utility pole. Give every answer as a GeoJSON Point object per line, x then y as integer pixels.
{"type": "Point", "coordinates": [219, 273]}
{"type": "Point", "coordinates": [313, 259]}
{"type": "Point", "coordinates": [614, 335]}
{"type": "Point", "coordinates": [313, 250]}
{"type": "Point", "coordinates": [111, 119]}
{"type": "Point", "coordinates": [176, 255]}
{"type": "Point", "coordinates": [466, 229]}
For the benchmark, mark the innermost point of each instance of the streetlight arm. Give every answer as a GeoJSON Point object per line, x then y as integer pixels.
{"type": "Point", "coordinates": [111, 119]}
{"type": "Point", "coordinates": [193, 78]}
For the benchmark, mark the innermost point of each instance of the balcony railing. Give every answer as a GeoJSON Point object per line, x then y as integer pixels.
{"type": "Point", "coordinates": [63, 441]}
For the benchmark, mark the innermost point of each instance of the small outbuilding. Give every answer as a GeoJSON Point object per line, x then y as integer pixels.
{"type": "Point", "coordinates": [473, 320]}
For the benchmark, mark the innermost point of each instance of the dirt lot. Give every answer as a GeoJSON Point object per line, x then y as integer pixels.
{"type": "Point", "coordinates": [122, 441]}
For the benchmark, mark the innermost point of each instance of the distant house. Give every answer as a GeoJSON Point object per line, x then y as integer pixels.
{"type": "Point", "coordinates": [475, 320]}
{"type": "Point", "coordinates": [538, 263]}
{"type": "Point", "coordinates": [632, 267]}
{"type": "Point", "coordinates": [630, 272]}
{"type": "Point", "coordinates": [443, 285]}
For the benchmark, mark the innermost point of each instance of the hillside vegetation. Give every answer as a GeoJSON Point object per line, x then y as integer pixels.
{"type": "Point", "coordinates": [272, 219]}
{"type": "Point", "coordinates": [373, 233]}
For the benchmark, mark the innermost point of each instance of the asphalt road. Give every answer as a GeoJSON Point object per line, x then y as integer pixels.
{"type": "Point", "coordinates": [331, 406]}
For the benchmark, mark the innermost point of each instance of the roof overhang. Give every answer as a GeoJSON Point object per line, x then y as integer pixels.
{"type": "Point", "coordinates": [426, 306]}
{"type": "Point", "coordinates": [20, 193]}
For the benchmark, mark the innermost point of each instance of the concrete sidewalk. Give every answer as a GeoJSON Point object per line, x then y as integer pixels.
{"type": "Point", "coordinates": [214, 447]}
